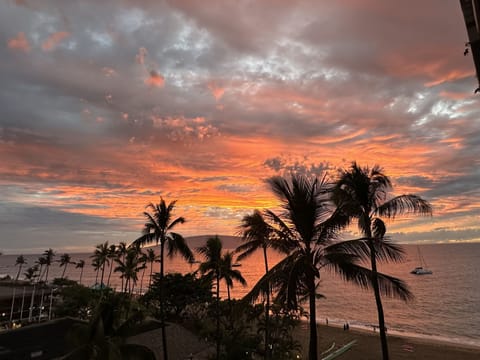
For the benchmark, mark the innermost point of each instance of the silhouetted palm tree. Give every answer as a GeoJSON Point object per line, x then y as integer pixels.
{"type": "Point", "coordinates": [65, 259]}
{"type": "Point", "coordinates": [129, 269]}
{"type": "Point", "coordinates": [151, 259]}
{"type": "Point", "coordinates": [31, 273]}
{"type": "Point", "coordinates": [212, 252]}
{"type": "Point", "coordinates": [258, 234]}
{"type": "Point", "coordinates": [100, 257]}
{"type": "Point", "coordinates": [20, 261]}
{"type": "Point", "coordinates": [158, 230]}
{"type": "Point", "coordinates": [80, 265]}
{"type": "Point", "coordinates": [112, 254]}
{"type": "Point", "coordinates": [364, 194]}
{"type": "Point", "coordinates": [40, 262]}
{"type": "Point", "coordinates": [143, 261]}
{"type": "Point", "coordinates": [309, 225]}
{"type": "Point", "coordinates": [121, 252]}
{"type": "Point", "coordinates": [48, 255]}
{"type": "Point", "coordinates": [96, 266]}
{"type": "Point", "coordinates": [228, 273]}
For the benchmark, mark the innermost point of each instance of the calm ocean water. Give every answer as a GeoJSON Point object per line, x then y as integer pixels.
{"type": "Point", "coordinates": [446, 304]}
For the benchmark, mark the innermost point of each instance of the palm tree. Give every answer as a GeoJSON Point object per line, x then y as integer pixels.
{"type": "Point", "coordinates": [228, 273]}
{"type": "Point", "coordinates": [48, 255]}
{"type": "Point", "coordinates": [80, 265]}
{"type": "Point", "coordinates": [309, 226]}
{"type": "Point", "coordinates": [20, 261]}
{"type": "Point", "coordinates": [158, 229]}
{"type": "Point", "coordinates": [96, 266]}
{"type": "Point", "coordinates": [364, 194]}
{"type": "Point", "coordinates": [31, 273]}
{"type": "Point", "coordinates": [100, 257]}
{"type": "Point", "coordinates": [65, 259]}
{"type": "Point", "coordinates": [212, 252]}
{"type": "Point", "coordinates": [41, 261]}
{"type": "Point", "coordinates": [121, 252]}
{"type": "Point", "coordinates": [129, 269]}
{"type": "Point", "coordinates": [112, 254]}
{"type": "Point", "coordinates": [143, 260]}
{"type": "Point", "coordinates": [151, 258]}
{"type": "Point", "coordinates": [258, 234]}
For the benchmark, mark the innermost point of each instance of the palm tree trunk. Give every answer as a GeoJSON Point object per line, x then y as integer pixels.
{"type": "Point", "coordinates": [312, 350]}
{"type": "Point", "coordinates": [378, 301]}
{"type": "Point", "coordinates": [96, 276]}
{"type": "Point", "coordinates": [64, 270]}
{"type": "Point", "coordinates": [46, 273]}
{"type": "Point", "coordinates": [103, 273]}
{"type": "Point", "coordinates": [18, 274]}
{"type": "Point", "coordinates": [81, 274]}
{"type": "Point", "coordinates": [151, 272]}
{"type": "Point", "coordinates": [162, 310]}
{"type": "Point", "coordinates": [141, 281]}
{"type": "Point", "coordinates": [267, 309]}
{"type": "Point", "coordinates": [110, 273]}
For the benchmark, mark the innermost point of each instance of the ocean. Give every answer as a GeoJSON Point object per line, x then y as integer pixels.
{"type": "Point", "coordinates": [446, 306]}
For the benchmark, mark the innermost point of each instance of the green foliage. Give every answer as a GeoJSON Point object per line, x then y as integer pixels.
{"type": "Point", "coordinates": [104, 336]}
{"type": "Point", "coordinates": [182, 292]}
{"type": "Point", "coordinates": [77, 301]}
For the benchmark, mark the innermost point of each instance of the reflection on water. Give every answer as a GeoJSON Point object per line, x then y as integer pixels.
{"type": "Point", "coordinates": [446, 304]}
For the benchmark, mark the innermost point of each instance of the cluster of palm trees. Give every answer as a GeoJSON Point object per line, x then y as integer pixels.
{"type": "Point", "coordinates": [308, 229]}
{"type": "Point", "coordinates": [40, 270]}
{"type": "Point", "coordinates": [308, 232]}
{"type": "Point", "coordinates": [129, 261]}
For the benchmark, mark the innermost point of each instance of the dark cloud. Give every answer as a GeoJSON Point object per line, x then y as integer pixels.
{"type": "Point", "coordinates": [140, 98]}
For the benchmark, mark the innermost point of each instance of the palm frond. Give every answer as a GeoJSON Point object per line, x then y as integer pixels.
{"type": "Point", "coordinates": [176, 244]}
{"type": "Point", "coordinates": [361, 276]}
{"type": "Point", "coordinates": [404, 204]}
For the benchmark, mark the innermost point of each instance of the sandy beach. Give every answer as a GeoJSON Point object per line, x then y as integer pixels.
{"type": "Point", "coordinates": [368, 345]}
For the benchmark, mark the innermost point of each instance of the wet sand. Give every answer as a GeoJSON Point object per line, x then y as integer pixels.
{"type": "Point", "coordinates": [368, 345]}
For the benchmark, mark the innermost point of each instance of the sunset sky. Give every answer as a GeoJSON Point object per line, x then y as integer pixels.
{"type": "Point", "coordinates": [107, 105]}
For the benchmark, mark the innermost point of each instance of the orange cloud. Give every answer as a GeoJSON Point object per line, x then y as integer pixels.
{"type": "Point", "coordinates": [155, 79]}
{"type": "Point", "coordinates": [19, 42]}
{"type": "Point", "coordinates": [54, 39]}
{"type": "Point", "coordinates": [216, 91]}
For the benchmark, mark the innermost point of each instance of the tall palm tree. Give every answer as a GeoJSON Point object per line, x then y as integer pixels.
{"type": "Point", "coordinates": [112, 254]}
{"type": "Point", "coordinates": [20, 261]}
{"type": "Point", "coordinates": [40, 262]}
{"type": "Point", "coordinates": [309, 226]}
{"type": "Point", "coordinates": [258, 234]}
{"type": "Point", "coordinates": [143, 261]}
{"type": "Point", "coordinates": [96, 266]}
{"type": "Point", "coordinates": [212, 252]}
{"type": "Point", "coordinates": [80, 265]}
{"type": "Point", "coordinates": [48, 255]}
{"type": "Point", "coordinates": [121, 252]}
{"type": "Point", "coordinates": [365, 195]}
{"type": "Point", "coordinates": [100, 257]}
{"type": "Point", "coordinates": [228, 273]}
{"type": "Point", "coordinates": [151, 259]}
{"type": "Point", "coordinates": [65, 259]}
{"type": "Point", "coordinates": [158, 229]}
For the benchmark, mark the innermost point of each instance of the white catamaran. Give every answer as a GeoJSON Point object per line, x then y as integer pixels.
{"type": "Point", "coordinates": [422, 269]}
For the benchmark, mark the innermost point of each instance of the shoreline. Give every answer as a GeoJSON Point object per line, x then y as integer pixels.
{"type": "Point", "coordinates": [368, 329]}
{"type": "Point", "coordinates": [368, 344]}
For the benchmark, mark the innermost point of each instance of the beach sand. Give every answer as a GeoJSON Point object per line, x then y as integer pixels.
{"type": "Point", "coordinates": [368, 345]}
